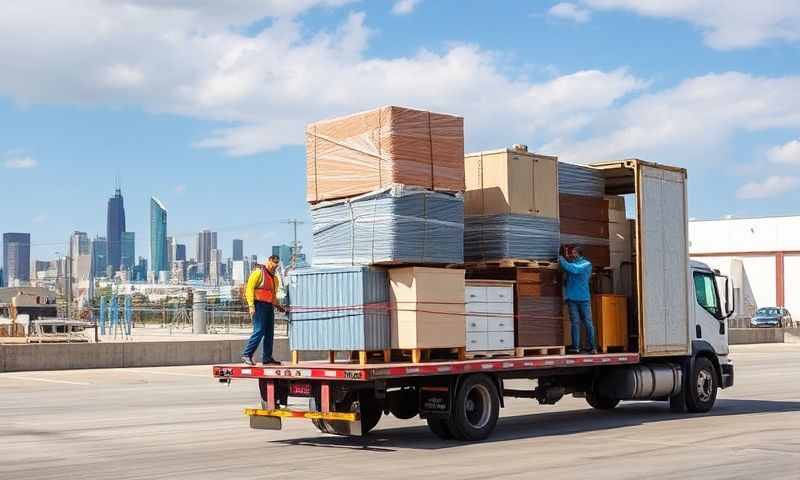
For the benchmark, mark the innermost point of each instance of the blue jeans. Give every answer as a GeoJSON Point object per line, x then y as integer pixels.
{"type": "Point", "coordinates": [263, 327]}
{"type": "Point", "coordinates": [580, 312]}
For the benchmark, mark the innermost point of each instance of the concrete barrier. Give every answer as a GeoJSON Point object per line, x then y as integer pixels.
{"type": "Point", "coordinates": [69, 356]}
{"type": "Point", "coordinates": [741, 336]}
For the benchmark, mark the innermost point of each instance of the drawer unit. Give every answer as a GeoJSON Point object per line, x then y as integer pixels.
{"type": "Point", "coordinates": [490, 315]}
{"type": "Point", "coordinates": [477, 323]}
{"type": "Point", "coordinates": [500, 340]}
{"type": "Point", "coordinates": [477, 341]}
{"type": "Point", "coordinates": [500, 324]}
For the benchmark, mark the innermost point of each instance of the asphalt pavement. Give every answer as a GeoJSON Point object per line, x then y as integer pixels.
{"type": "Point", "coordinates": [179, 423]}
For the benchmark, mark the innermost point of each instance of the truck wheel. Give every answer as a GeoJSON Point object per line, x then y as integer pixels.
{"type": "Point", "coordinates": [475, 409]}
{"type": "Point", "coordinates": [440, 428]}
{"type": "Point", "coordinates": [701, 387]}
{"type": "Point", "coordinates": [601, 403]}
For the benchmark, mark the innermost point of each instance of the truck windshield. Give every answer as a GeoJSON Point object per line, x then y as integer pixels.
{"type": "Point", "coordinates": [706, 292]}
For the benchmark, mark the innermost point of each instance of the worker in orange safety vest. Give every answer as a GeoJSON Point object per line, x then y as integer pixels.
{"type": "Point", "coordinates": [262, 300]}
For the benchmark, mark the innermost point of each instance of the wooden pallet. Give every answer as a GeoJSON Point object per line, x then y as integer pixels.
{"type": "Point", "coordinates": [508, 263]}
{"type": "Point", "coordinates": [415, 355]}
{"type": "Point", "coordinates": [490, 354]}
{"type": "Point", "coordinates": [539, 351]}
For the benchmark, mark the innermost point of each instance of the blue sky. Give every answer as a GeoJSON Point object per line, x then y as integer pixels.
{"type": "Point", "coordinates": [203, 103]}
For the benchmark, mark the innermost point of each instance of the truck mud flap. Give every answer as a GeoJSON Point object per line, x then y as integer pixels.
{"type": "Point", "coordinates": [435, 401]}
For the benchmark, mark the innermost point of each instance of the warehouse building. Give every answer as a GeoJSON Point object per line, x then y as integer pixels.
{"type": "Point", "coordinates": [761, 255]}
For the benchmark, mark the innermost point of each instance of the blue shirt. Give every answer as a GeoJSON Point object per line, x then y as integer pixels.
{"type": "Point", "coordinates": [577, 282]}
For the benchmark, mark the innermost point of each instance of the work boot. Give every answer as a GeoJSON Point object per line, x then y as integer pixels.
{"type": "Point", "coordinates": [271, 361]}
{"type": "Point", "coordinates": [573, 350]}
{"type": "Point", "coordinates": [248, 360]}
{"type": "Point", "coordinates": [592, 351]}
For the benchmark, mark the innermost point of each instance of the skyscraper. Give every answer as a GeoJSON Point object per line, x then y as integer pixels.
{"type": "Point", "coordinates": [180, 252]}
{"type": "Point", "coordinates": [206, 241]}
{"type": "Point", "coordinates": [99, 256]}
{"type": "Point", "coordinates": [128, 255]}
{"type": "Point", "coordinates": [284, 252]}
{"type": "Point", "coordinates": [170, 251]}
{"type": "Point", "coordinates": [115, 225]}
{"type": "Point", "coordinates": [214, 266]}
{"type": "Point", "coordinates": [158, 236]}
{"type": "Point", "coordinates": [16, 257]}
{"type": "Point", "coordinates": [78, 245]}
{"type": "Point", "coordinates": [238, 249]}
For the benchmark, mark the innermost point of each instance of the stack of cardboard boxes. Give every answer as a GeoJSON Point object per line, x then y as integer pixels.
{"type": "Point", "coordinates": [386, 191]}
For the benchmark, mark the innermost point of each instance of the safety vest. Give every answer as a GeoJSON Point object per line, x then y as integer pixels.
{"type": "Point", "coordinates": [266, 291]}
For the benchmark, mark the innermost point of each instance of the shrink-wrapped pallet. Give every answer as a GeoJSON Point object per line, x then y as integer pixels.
{"type": "Point", "coordinates": [345, 308]}
{"type": "Point", "coordinates": [366, 151]}
{"type": "Point", "coordinates": [580, 180]}
{"type": "Point", "coordinates": [391, 226]}
{"type": "Point", "coordinates": [510, 236]}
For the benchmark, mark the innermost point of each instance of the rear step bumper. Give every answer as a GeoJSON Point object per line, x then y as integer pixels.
{"type": "Point", "coordinates": [273, 419]}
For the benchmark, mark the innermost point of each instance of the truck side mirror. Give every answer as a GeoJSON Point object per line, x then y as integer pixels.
{"type": "Point", "coordinates": [729, 307]}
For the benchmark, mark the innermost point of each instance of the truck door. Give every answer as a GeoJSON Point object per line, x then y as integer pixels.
{"type": "Point", "coordinates": [663, 269]}
{"type": "Point", "coordinates": [709, 317]}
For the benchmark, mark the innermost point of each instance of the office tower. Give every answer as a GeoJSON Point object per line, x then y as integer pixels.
{"type": "Point", "coordinates": [158, 236]}
{"type": "Point", "coordinates": [79, 244]}
{"type": "Point", "coordinates": [2, 280]}
{"type": "Point", "coordinates": [253, 261]}
{"type": "Point", "coordinates": [140, 271]}
{"type": "Point", "coordinates": [206, 241]}
{"type": "Point", "coordinates": [241, 271]}
{"type": "Point", "coordinates": [238, 249]}
{"type": "Point", "coordinates": [128, 259]}
{"type": "Point", "coordinates": [214, 267]}
{"type": "Point", "coordinates": [16, 258]}
{"type": "Point", "coordinates": [180, 252]}
{"type": "Point", "coordinates": [170, 250]}
{"type": "Point", "coordinates": [99, 256]}
{"type": "Point", "coordinates": [284, 252]}
{"type": "Point", "coordinates": [178, 271]}
{"type": "Point", "coordinates": [115, 225]}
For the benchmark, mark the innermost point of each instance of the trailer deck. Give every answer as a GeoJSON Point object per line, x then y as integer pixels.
{"type": "Point", "coordinates": [345, 371]}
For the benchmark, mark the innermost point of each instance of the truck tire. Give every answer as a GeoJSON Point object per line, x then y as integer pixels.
{"type": "Point", "coordinates": [599, 402]}
{"type": "Point", "coordinates": [701, 386]}
{"type": "Point", "coordinates": [475, 409]}
{"type": "Point", "coordinates": [440, 428]}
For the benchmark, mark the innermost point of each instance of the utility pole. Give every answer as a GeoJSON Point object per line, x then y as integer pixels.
{"type": "Point", "coordinates": [295, 244]}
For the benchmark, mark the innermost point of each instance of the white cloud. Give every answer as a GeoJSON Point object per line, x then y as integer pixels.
{"type": "Point", "coordinates": [689, 123]}
{"type": "Point", "coordinates": [770, 187]}
{"type": "Point", "coordinates": [39, 219]}
{"type": "Point", "coordinates": [786, 153]}
{"type": "Point", "coordinates": [19, 162]}
{"type": "Point", "coordinates": [404, 7]}
{"type": "Point", "coordinates": [570, 11]}
{"type": "Point", "coordinates": [180, 188]}
{"type": "Point", "coordinates": [726, 24]}
{"type": "Point", "coordinates": [185, 58]}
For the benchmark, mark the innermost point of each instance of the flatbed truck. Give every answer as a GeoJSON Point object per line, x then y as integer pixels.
{"type": "Point", "coordinates": [680, 331]}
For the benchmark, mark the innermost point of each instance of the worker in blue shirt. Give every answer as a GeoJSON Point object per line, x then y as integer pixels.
{"type": "Point", "coordinates": [578, 270]}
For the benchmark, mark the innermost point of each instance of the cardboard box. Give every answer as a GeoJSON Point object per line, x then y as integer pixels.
{"type": "Point", "coordinates": [511, 181]}
{"type": "Point", "coordinates": [428, 307]}
{"type": "Point", "coordinates": [366, 151]}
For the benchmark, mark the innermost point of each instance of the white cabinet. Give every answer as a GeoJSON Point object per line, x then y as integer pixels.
{"type": "Point", "coordinates": [490, 315]}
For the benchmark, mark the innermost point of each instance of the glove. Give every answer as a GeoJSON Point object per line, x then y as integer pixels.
{"type": "Point", "coordinates": [252, 310]}
{"type": "Point", "coordinates": [280, 308]}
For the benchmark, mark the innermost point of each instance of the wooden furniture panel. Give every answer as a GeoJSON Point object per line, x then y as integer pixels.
{"type": "Point", "coordinates": [610, 316]}
{"type": "Point", "coordinates": [429, 309]}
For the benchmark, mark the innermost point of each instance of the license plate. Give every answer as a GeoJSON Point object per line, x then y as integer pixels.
{"type": "Point", "coordinates": [300, 389]}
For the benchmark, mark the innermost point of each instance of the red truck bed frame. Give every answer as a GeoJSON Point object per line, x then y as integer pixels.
{"type": "Point", "coordinates": [354, 372]}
